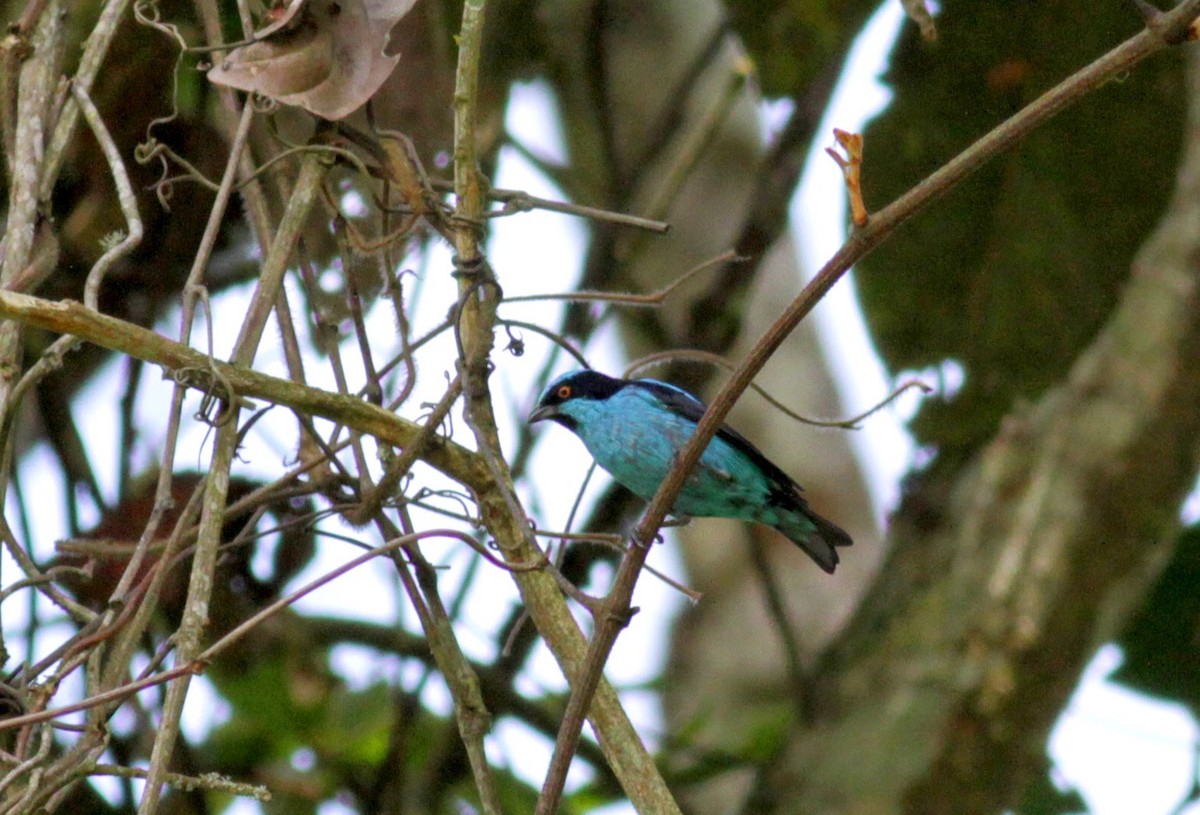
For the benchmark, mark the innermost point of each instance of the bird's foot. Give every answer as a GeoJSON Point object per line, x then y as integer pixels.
{"type": "Point", "coordinates": [620, 615]}
{"type": "Point", "coordinates": [672, 521]}
{"type": "Point", "coordinates": [668, 522]}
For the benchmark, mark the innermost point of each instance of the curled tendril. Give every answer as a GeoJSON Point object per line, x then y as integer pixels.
{"type": "Point", "coordinates": [516, 343]}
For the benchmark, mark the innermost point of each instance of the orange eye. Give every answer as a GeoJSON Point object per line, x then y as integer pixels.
{"type": "Point", "coordinates": [563, 392]}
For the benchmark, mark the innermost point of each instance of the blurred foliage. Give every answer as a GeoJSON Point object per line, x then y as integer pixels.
{"type": "Point", "coordinates": [794, 42]}
{"type": "Point", "coordinates": [306, 733]}
{"type": "Point", "coordinates": [1014, 271]}
{"type": "Point", "coordinates": [691, 763]}
{"type": "Point", "coordinates": [1162, 645]}
{"type": "Point", "coordinates": [1043, 797]}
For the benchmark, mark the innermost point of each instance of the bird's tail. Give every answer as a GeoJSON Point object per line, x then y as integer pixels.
{"type": "Point", "coordinates": [815, 535]}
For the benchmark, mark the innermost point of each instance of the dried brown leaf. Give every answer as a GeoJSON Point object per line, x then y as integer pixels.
{"type": "Point", "coordinates": [326, 56]}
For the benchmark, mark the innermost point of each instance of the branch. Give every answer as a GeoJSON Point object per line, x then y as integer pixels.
{"type": "Point", "coordinates": [94, 51]}
{"type": "Point", "coordinates": [36, 85]}
{"type": "Point", "coordinates": [1161, 32]}
{"type": "Point", "coordinates": [475, 316]}
{"type": "Point", "coordinates": [201, 661]}
{"type": "Point", "coordinates": [209, 781]}
{"type": "Point", "coordinates": [196, 370]}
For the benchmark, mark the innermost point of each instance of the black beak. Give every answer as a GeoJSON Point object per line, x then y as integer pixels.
{"type": "Point", "coordinates": [542, 412]}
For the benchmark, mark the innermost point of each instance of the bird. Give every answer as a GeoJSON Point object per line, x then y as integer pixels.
{"type": "Point", "coordinates": [635, 427]}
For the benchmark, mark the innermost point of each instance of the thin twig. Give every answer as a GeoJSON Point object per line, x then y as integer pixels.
{"type": "Point", "coordinates": [211, 652]}
{"type": "Point", "coordinates": [209, 781]}
{"type": "Point", "coordinates": [400, 465]}
{"type": "Point", "coordinates": [516, 201]}
{"type": "Point", "coordinates": [653, 299]}
{"type": "Point", "coordinates": [558, 339]}
{"type": "Point", "coordinates": [470, 711]}
{"type": "Point", "coordinates": [716, 360]}
{"type": "Point", "coordinates": [125, 196]}
{"type": "Point", "coordinates": [75, 610]}
{"type": "Point", "coordinates": [202, 659]}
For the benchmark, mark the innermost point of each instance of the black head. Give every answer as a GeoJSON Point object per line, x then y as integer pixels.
{"type": "Point", "coordinates": [585, 384]}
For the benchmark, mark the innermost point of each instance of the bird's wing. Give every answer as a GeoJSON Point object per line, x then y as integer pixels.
{"type": "Point", "coordinates": [689, 407]}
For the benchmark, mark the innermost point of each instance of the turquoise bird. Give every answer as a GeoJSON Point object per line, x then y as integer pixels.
{"type": "Point", "coordinates": [635, 427]}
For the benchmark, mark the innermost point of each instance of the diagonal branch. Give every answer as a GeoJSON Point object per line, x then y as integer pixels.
{"type": "Point", "coordinates": [475, 317]}
{"type": "Point", "coordinates": [1161, 31]}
